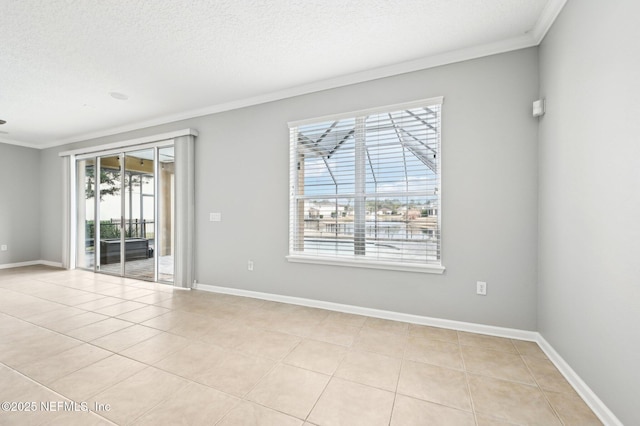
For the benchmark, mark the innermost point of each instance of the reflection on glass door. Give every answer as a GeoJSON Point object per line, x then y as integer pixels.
{"type": "Point", "coordinates": [125, 205]}
{"type": "Point", "coordinates": [109, 214]}
{"type": "Point", "coordinates": [86, 188]}
{"type": "Point", "coordinates": [139, 215]}
{"type": "Point", "coordinates": [166, 207]}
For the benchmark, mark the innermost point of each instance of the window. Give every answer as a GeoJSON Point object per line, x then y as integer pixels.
{"type": "Point", "coordinates": [365, 188]}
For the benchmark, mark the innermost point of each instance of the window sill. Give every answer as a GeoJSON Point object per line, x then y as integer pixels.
{"type": "Point", "coordinates": [407, 267]}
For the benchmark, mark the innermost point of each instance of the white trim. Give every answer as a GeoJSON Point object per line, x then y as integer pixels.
{"type": "Point", "coordinates": [590, 398]}
{"type": "Point", "coordinates": [31, 263]}
{"type": "Point", "coordinates": [437, 100]}
{"type": "Point", "coordinates": [372, 264]}
{"type": "Point", "coordinates": [510, 333]}
{"type": "Point", "coordinates": [20, 143]}
{"type": "Point", "coordinates": [52, 264]}
{"type": "Point", "coordinates": [460, 55]}
{"type": "Point", "coordinates": [547, 17]}
{"type": "Point", "coordinates": [129, 148]}
{"type": "Point", "coordinates": [131, 142]}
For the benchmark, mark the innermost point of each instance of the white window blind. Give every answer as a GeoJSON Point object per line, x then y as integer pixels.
{"type": "Point", "coordinates": [365, 187]}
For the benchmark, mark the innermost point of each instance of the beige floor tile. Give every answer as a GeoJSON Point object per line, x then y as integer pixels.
{"type": "Point", "coordinates": [370, 369]}
{"type": "Point", "coordinates": [14, 385]}
{"type": "Point", "coordinates": [198, 328]}
{"type": "Point", "coordinates": [43, 318]}
{"type": "Point", "coordinates": [75, 322]}
{"type": "Point", "coordinates": [300, 328]}
{"type": "Point", "coordinates": [250, 414]}
{"type": "Point", "coordinates": [486, 342]}
{"type": "Point", "coordinates": [125, 338]}
{"type": "Point", "coordinates": [167, 321]}
{"type": "Point", "coordinates": [81, 298]}
{"type": "Point", "coordinates": [437, 352]}
{"type": "Point", "coordinates": [36, 348]}
{"type": "Point", "coordinates": [334, 332]}
{"type": "Point", "coordinates": [572, 409]}
{"type": "Point", "coordinates": [120, 308]}
{"type": "Point", "coordinates": [92, 379]}
{"type": "Point", "coordinates": [435, 333]}
{"type": "Point", "coordinates": [269, 344]}
{"type": "Point", "coordinates": [154, 298]}
{"type": "Point", "coordinates": [528, 349]}
{"type": "Point", "coordinates": [228, 334]}
{"type": "Point", "coordinates": [547, 375]}
{"type": "Point", "coordinates": [381, 342]}
{"type": "Point", "coordinates": [489, 421]}
{"type": "Point", "coordinates": [98, 329]}
{"type": "Point", "coordinates": [37, 394]}
{"type": "Point", "coordinates": [9, 326]}
{"type": "Point", "coordinates": [299, 324]}
{"type": "Point", "coordinates": [510, 401]}
{"type": "Point", "coordinates": [192, 360]}
{"type": "Point", "coordinates": [316, 356]}
{"type": "Point", "coordinates": [143, 314]}
{"type": "Point", "coordinates": [414, 412]}
{"type": "Point", "coordinates": [344, 319]}
{"type": "Point", "coordinates": [291, 390]}
{"type": "Point", "coordinates": [248, 301]}
{"type": "Point", "coordinates": [234, 373]}
{"type": "Point", "coordinates": [435, 384]}
{"type": "Point", "coordinates": [279, 356]}
{"type": "Point", "coordinates": [75, 418]}
{"type": "Point", "coordinates": [51, 368]}
{"type": "Point", "coordinates": [348, 403]}
{"type": "Point", "coordinates": [156, 348]}
{"type": "Point", "coordinates": [209, 308]}
{"type": "Point", "coordinates": [501, 365]}
{"type": "Point", "coordinates": [193, 405]}
{"type": "Point", "coordinates": [135, 395]}
{"type": "Point", "coordinates": [387, 325]}
{"type": "Point", "coordinates": [103, 302]}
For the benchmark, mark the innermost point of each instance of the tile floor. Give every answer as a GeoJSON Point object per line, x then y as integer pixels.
{"type": "Point", "coordinates": [133, 352]}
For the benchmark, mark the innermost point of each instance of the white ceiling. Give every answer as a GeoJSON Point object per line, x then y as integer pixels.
{"type": "Point", "coordinates": [175, 59]}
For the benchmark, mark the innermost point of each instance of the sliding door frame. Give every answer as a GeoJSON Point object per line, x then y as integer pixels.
{"type": "Point", "coordinates": [183, 142]}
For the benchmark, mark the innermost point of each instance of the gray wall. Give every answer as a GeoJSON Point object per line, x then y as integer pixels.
{"type": "Point", "coordinates": [19, 204]}
{"type": "Point", "coordinates": [589, 256]}
{"type": "Point", "coordinates": [51, 199]}
{"type": "Point", "coordinates": [489, 197]}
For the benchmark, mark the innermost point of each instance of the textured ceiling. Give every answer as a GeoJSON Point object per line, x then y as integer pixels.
{"type": "Point", "coordinates": [60, 59]}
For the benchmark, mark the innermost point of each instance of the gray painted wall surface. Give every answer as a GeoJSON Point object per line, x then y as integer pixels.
{"type": "Point", "coordinates": [589, 229]}
{"type": "Point", "coordinates": [19, 204]}
{"type": "Point", "coordinates": [489, 196]}
{"type": "Point", "coordinates": [51, 198]}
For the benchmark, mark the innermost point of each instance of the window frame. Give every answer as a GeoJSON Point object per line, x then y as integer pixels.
{"type": "Point", "coordinates": [294, 198]}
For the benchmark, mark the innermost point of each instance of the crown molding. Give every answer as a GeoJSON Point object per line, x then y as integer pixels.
{"type": "Point", "coordinates": [547, 17]}
{"type": "Point", "coordinates": [20, 143]}
{"type": "Point", "coordinates": [360, 77]}
{"type": "Point", "coordinates": [532, 38]}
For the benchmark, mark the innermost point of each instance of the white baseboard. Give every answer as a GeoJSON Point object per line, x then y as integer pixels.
{"type": "Point", "coordinates": [378, 313]}
{"type": "Point", "coordinates": [52, 264]}
{"type": "Point", "coordinates": [599, 408]}
{"type": "Point", "coordinates": [31, 263]}
{"type": "Point", "coordinates": [590, 398]}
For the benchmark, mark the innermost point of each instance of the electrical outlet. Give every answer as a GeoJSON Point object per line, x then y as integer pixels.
{"type": "Point", "coordinates": [481, 288]}
{"type": "Point", "coordinates": [250, 265]}
{"type": "Point", "coordinates": [3, 247]}
{"type": "Point", "coordinates": [215, 217]}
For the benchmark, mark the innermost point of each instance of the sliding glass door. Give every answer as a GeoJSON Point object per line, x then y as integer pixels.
{"type": "Point", "coordinates": [125, 203]}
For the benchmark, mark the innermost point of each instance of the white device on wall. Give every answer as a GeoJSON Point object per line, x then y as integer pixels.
{"type": "Point", "coordinates": [538, 108]}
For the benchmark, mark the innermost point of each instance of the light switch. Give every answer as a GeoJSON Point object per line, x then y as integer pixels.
{"type": "Point", "coordinates": [215, 217]}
